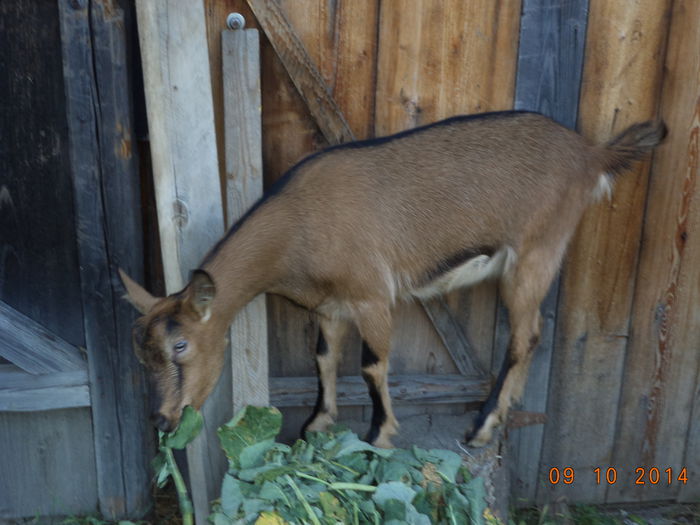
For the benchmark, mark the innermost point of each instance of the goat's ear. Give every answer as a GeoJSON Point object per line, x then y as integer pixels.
{"type": "Point", "coordinates": [136, 295]}
{"type": "Point", "coordinates": [201, 292]}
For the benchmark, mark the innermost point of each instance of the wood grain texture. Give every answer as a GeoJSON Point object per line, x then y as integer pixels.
{"type": "Point", "coordinates": [244, 186]}
{"type": "Point", "coordinates": [35, 173]}
{"type": "Point", "coordinates": [177, 82]}
{"type": "Point", "coordinates": [50, 453]}
{"type": "Point", "coordinates": [655, 425]}
{"type": "Point", "coordinates": [452, 336]}
{"type": "Point", "coordinates": [302, 70]}
{"type": "Point", "coordinates": [111, 33]}
{"type": "Point", "coordinates": [437, 59]}
{"type": "Point", "coordinates": [33, 348]}
{"type": "Point", "coordinates": [550, 67]}
{"type": "Point", "coordinates": [404, 388]}
{"type": "Point", "coordinates": [597, 287]}
{"type": "Point", "coordinates": [215, 13]}
{"type": "Point", "coordinates": [92, 80]}
{"type": "Point", "coordinates": [24, 392]}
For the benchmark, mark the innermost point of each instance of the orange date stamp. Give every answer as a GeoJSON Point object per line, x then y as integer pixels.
{"type": "Point", "coordinates": [609, 475]}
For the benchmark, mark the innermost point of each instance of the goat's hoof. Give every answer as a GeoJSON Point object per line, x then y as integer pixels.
{"type": "Point", "coordinates": [383, 442]}
{"type": "Point", "coordinates": [478, 440]}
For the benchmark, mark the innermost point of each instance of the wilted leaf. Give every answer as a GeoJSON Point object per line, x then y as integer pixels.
{"type": "Point", "coordinates": [161, 469]}
{"type": "Point", "coordinates": [190, 425]}
{"type": "Point", "coordinates": [251, 425]}
{"type": "Point", "coordinates": [448, 464]}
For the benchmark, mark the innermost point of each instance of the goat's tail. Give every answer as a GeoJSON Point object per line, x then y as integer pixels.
{"type": "Point", "coordinates": [630, 145]}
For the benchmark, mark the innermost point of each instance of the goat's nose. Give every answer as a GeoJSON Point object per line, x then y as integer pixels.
{"type": "Point", "coordinates": [161, 422]}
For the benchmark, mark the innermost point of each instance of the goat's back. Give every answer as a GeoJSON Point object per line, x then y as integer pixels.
{"type": "Point", "coordinates": [409, 201]}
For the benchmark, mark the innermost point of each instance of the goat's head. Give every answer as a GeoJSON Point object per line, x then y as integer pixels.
{"type": "Point", "coordinates": [180, 346]}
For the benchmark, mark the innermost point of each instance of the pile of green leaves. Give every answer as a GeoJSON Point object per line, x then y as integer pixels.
{"type": "Point", "coordinates": [336, 478]}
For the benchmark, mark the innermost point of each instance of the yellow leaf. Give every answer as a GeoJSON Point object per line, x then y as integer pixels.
{"type": "Point", "coordinates": [269, 518]}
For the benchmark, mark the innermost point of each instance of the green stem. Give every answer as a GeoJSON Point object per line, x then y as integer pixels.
{"type": "Point", "coordinates": [182, 497]}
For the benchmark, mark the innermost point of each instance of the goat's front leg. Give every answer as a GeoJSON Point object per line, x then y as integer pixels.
{"type": "Point", "coordinates": [328, 353]}
{"type": "Point", "coordinates": [375, 327]}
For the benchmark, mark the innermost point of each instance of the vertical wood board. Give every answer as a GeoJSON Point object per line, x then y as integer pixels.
{"type": "Point", "coordinates": [550, 63]}
{"type": "Point", "coordinates": [177, 82]}
{"type": "Point", "coordinates": [244, 181]}
{"type": "Point", "coordinates": [663, 357]}
{"type": "Point", "coordinates": [597, 286]}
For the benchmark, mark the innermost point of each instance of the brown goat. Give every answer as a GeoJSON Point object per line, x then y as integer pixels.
{"type": "Point", "coordinates": [350, 231]}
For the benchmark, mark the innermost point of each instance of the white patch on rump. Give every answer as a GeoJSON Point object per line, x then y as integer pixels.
{"type": "Point", "coordinates": [603, 188]}
{"type": "Point", "coordinates": [473, 271]}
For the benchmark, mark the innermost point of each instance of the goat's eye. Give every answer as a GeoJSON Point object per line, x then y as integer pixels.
{"type": "Point", "coordinates": [180, 346]}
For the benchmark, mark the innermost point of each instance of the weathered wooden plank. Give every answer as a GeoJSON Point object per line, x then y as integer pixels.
{"type": "Point", "coordinates": [302, 71]}
{"type": "Point", "coordinates": [438, 59]}
{"type": "Point", "coordinates": [454, 339]}
{"type": "Point", "coordinates": [97, 290]}
{"type": "Point", "coordinates": [177, 82]}
{"type": "Point", "coordinates": [599, 273]}
{"type": "Point", "coordinates": [406, 388]}
{"type": "Point", "coordinates": [244, 186]}
{"type": "Point", "coordinates": [24, 392]}
{"type": "Point", "coordinates": [50, 454]}
{"type": "Point", "coordinates": [550, 64]}
{"type": "Point", "coordinates": [32, 347]}
{"type": "Point", "coordinates": [111, 36]}
{"type": "Point", "coordinates": [655, 428]}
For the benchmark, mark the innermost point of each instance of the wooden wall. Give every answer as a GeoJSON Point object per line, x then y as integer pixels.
{"type": "Point", "coordinates": [617, 373]}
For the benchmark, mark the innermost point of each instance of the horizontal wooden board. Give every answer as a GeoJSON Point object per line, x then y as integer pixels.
{"type": "Point", "coordinates": [24, 392]}
{"type": "Point", "coordinates": [352, 390]}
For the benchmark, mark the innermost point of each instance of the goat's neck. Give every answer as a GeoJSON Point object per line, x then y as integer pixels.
{"type": "Point", "coordinates": [247, 262]}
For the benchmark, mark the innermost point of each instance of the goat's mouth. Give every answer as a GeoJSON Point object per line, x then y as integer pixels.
{"type": "Point", "coordinates": [164, 423]}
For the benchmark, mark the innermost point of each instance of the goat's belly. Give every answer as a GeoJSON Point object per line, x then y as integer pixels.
{"type": "Point", "coordinates": [473, 271]}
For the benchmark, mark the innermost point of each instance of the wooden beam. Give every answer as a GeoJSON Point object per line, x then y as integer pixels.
{"type": "Point", "coordinates": [24, 392]}
{"type": "Point", "coordinates": [452, 336]}
{"type": "Point", "coordinates": [177, 83]}
{"type": "Point", "coordinates": [550, 67]}
{"type": "Point", "coordinates": [352, 390]}
{"type": "Point", "coordinates": [244, 186]}
{"type": "Point", "coordinates": [302, 71]}
{"type": "Point", "coordinates": [33, 348]}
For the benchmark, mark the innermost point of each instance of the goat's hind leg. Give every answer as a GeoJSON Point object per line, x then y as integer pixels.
{"type": "Point", "coordinates": [328, 353]}
{"type": "Point", "coordinates": [523, 288]}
